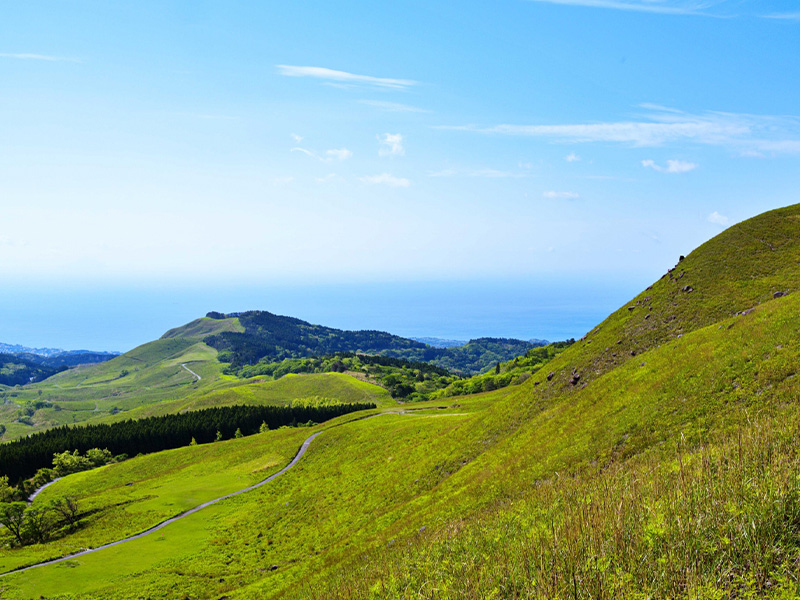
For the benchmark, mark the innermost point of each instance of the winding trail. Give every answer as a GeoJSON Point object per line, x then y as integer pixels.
{"type": "Point", "coordinates": [190, 371]}
{"type": "Point", "coordinates": [163, 524]}
{"type": "Point", "coordinates": [200, 507]}
{"type": "Point", "coordinates": [38, 491]}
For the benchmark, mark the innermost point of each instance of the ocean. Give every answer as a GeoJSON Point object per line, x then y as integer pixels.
{"type": "Point", "coordinates": [118, 318]}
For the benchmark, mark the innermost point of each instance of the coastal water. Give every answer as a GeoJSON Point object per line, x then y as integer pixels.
{"type": "Point", "coordinates": [122, 317]}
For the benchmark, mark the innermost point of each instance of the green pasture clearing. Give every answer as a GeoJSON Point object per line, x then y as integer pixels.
{"type": "Point", "coordinates": [125, 498]}
{"type": "Point", "coordinates": [341, 485]}
{"type": "Point", "coordinates": [281, 391]}
{"type": "Point", "coordinates": [200, 328]}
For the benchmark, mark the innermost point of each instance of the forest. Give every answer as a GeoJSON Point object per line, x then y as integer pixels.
{"type": "Point", "coordinates": [15, 370]}
{"type": "Point", "coordinates": [273, 338]}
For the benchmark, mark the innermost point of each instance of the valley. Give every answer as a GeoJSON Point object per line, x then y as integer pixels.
{"type": "Point", "coordinates": [655, 457]}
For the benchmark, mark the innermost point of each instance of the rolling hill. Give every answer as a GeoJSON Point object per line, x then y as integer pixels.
{"type": "Point", "coordinates": [170, 374]}
{"type": "Point", "coordinates": [196, 365]}
{"type": "Point", "coordinates": [656, 457]}
{"type": "Point", "coordinates": [266, 337]}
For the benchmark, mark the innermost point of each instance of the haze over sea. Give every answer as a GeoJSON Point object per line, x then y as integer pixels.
{"type": "Point", "coordinates": [122, 317]}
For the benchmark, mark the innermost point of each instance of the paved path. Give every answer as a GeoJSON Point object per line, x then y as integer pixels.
{"type": "Point", "coordinates": [190, 371]}
{"type": "Point", "coordinates": [200, 507]}
{"type": "Point", "coordinates": [163, 524]}
{"type": "Point", "coordinates": [39, 490]}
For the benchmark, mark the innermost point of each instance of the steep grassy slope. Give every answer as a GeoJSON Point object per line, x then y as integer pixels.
{"type": "Point", "coordinates": [485, 474]}
{"type": "Point", "coordinates": [737, 270]}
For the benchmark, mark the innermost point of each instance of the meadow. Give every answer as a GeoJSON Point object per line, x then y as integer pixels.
{"type": "Point", "coordinates": [654, 458]}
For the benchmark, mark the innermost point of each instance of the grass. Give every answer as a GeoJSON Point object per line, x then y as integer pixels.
{"type": "Point", "coordinates": [125, 498]}
{"type": "Point", "coordinates": [150, 380]}
{"type": "Point", "coordinates": [330, 482]}
{"type": "Point", "coordinates": [669, 472]}
{"type": "Point", "coordinates": [281, 391]}
{"type": "Point", "coordinates": [722, 521]}
{"type": "Point", "coordinates": [200, 328]}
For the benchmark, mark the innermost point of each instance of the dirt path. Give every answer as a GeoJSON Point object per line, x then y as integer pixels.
{"type": "Point", "coordinates": [38, 491]}
{"type": "Point", "coordinates": [190, 371]}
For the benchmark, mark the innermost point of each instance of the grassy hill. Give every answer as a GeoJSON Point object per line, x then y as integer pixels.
{"type": "Point", "coordinates": [656, 458]}
{"type": "Point", "coordinates": [268, 338]}
{"type": "Point", "coordinates": [157, 378]}
{"type": "Point", "coordinates": [196, 365]}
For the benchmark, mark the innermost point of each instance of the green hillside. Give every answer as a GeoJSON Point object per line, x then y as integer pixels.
{"type": "Point", "coordinates": [268, 338]}
{"type": "Point", "coordinates": [161, 377]}
{"type": "Point", "coordinates": [655, 458]}
{"type": "Point", "coordinates": [181, 370]}
{"type": "Point", "coordinates": [200, 328]}
{"type": "Point", "coordinates": [743, 267]}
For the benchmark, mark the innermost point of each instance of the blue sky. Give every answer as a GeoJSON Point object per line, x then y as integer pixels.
{"type": "Point", "coordinates": [241, 143]}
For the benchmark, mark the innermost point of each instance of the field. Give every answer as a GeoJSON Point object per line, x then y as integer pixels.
{"type": "Point", "coordinates": [655, 458]}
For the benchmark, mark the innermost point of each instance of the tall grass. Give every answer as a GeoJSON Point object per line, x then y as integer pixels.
{"type": "Point", "coordinates": [719, 521]}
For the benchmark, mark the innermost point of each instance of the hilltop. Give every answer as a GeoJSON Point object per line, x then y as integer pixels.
{"type": "Point", "coordinates": [656, 457]}
{"type": "Point", "coordinates": [266, 337]}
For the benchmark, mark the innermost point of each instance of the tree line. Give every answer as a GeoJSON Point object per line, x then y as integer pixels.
{"type": "Point", "coordinates": [406, 380]}
{"type": "Point", "coordinates": [22, 458]}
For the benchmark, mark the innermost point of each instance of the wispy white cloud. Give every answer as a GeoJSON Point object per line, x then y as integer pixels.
{"type": "Point", "coordinates": [306, 152]}
{"type": "Point", "coordinates": [485, 173]}
{"type": "Point", "coordinates": [334, 154]}
{"type": "Point", "coordinates": [331, 75]}
{"type": "Point", "coordinates": [718, 219]}
{"type": "Point", "coordinates": [282, 180]}
{"type": "Point", "coordinates": [495, 174]}
{"type": "Point", "coordinates": [553, 195]}
{"type": "Point", "coordinates": [443, 173]}
{"type": "Point", "coordinates": [45, 57]}
{"type": "Point", "coordinates": [670, 7]}
{"type": "Point", "coordinates": [386, 179]}
{"type": "Point", "coordinates": [743, 133]}
{"type": "Point", "coordinates": [330, 177]}
{"type": "Point", "coordinates": [792, 16]}
{"type": "Point", "coordinates": [673, 166]}
{"type": "Point", "coordinates": [297, 138]}
{"type": "Point", "coordinates": [338, 154]}
{"type": "Point", "coordinates": [391, 145]}
{"type": "Point", "coordinates": [572, 157]}
{"type": "Point", "coordinates": [393, 106]}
